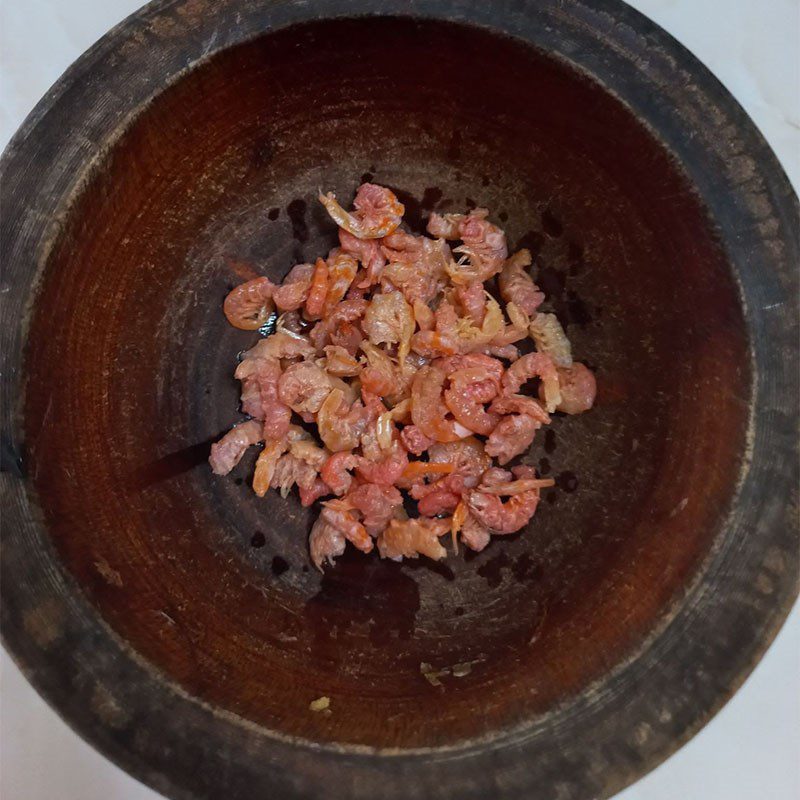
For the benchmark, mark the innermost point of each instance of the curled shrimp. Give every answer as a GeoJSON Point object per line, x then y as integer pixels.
{"type": "Point", "coordinates": [228, 451]}
{"type": "Point", "coordinates": [471, 337]}
{"type": "Point", "coordinates": [369, 253]}
{"type": "Point", "coordinates": [335, 471]}
{"type": "Point", "coordinates": [454, 334]}
{"type": "Point", "coordinates": [474, 533]}
{"type": "Point", "coordinates": [293, 292]}
{"type": "Point", "coordinates": [318, 291]}
{"type": "Point", "coordinates": [440, 501]}
{"type": "Point", "coordinates": [411, 537]}
{"type": "Point", "coordinates": [302, 446]}
{"type": "Point", "coordinates": [347, 335]}
{"type": "Point", "coordinates": [469, 391]}
{"type": "Point", "coordinates": [519, 317]}
{"type": "Point", "coordinates": [249, 305]}
{"type": "Point", "coordinates": [429, 412]}
{"type": "Point", "coordinates": [472, 299]}
{"type": "Point", "coordinates": [325, 542]}
{"type": "Point", "coordinates": [484, 248]}
{"type": "Point", "coordinates": [515, 331]}
{"type": "Point", "coordinates": [512, 436]}
{"type": "Point", "coordinates": [265, 465]}
{"type": "Point", "coordinates": [389, 319]}
{"type": "Point", "coordinates": [378, 212]}
{"type": "Point", "coordinates": [373, 408]}
{"type": "Point", "coordinates": [516, 285]}
{"type": "Point", "coordinates": [473, 266]}
{"type": "Point", "coordinates": [491, 367]}
{"type": "Point", "coordinates": [340, 514]}
{"type": "Point", "coordinates": [283, 344]}
{"type": "Point", "coordinates": [444, 226]}
{"type": "Point", "coordinates": [334, 325]}
{"type": "Point", "coordinates": [290, 471]}
{"type": "Point", "coordinates": [310, 494]}
{"type": "Point", "coordinates": [460, 465]}
{"type": "Point", "coordinates": [494, 476]}
{"type": "Point", "coordinates": [303, 387]}
{"type": "Point", "coordinates": [442, 341]}
{"type": "Point", "coordinates": [481, 237]}
{"type": "Point", "coordinates": [548, 334]}
{"type": "Point", "coordinates": [430, 256]}
{"type": "Point", "coordinates": [340, 427]}
{"type": "Point", "coordinates": [534, 365]}
{"type": "Point", "coordinates": [340, 363]}
{"type": "Point", "coordinates": [446, 318]}
{"type": "Point", "coordinates": [503, 517]}
{"type": "Point", "coordinates": [467, 458]}
{"type": "Point", "coordinates": [417, 265]}
{"type": "Point", "coordinates": [415, 441]}
{"type": "Point", "coordinates": [259, 378]}
{"type": "Point", "coordinates": [416, 284]}
{"type": "Point", "coordinates": [387, 471]}
{"type": "Point", "coordinates": [342, 268]}
{"type": "Point", "coordinates": [376, 504]}
{"type": "Point", "coordinates": [350, 310]}
{"type": "Point", "coordinates": [379, 376]}
{"type": "Point", "coordinates": [520, 404]}
{"type": "Point", "coordinates": [578, 388]}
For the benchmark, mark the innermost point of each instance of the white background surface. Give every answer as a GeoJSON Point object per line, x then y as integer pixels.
{"type": "Point", "coordinates": [751, 750]}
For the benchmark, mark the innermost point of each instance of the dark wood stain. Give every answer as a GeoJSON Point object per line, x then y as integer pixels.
{"type": "Point", "coordinates": [544, 466]}
{"type": "Point", "coordinates": [279, 566]}
{"type": "Point", "coordinates": [258, 540]}
{"type": "Point", "coordinates": [297, 215]}
{"type": "Point", "coordinates": [492, 570]}
{"type": "Point", "coordinates": [567, 481]}
{"type": "Point", "coordinates": [430, 198]}
{"type": "Point", "coordinates": [551, 224]}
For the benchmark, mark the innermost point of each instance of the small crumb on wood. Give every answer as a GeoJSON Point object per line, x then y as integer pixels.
{"type": "Point", "coordinates": [460, 670]}
{"type": "Point", "coordinates": [164, 615]}
{"type": "Point", "coordinates": [320, 704]}
{"type": "Point", "coordinates": [109, 574]}
{"type": "Point", "coordinates": [430, 674]}
{"type": "Point", "coordinates": [539, 625]}
{"type": "Point", "coordinates": [678, 508]}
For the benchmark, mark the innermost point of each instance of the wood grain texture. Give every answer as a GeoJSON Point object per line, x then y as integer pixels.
{"type": "Point", "coordinates": [151, 602]}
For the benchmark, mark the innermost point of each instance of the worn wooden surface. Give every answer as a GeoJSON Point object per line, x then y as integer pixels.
{"type": "Point", "coordinates": [168, 615]}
